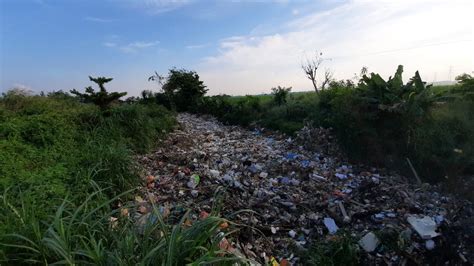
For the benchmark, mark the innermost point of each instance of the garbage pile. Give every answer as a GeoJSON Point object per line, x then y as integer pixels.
{"type": "Point", "coordinates": [282, 194]}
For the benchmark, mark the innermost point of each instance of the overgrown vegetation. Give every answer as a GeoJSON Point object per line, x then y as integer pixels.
{"type": "Point", "coordinates": [379, 121]}
{"type": "Point", "coordinates": [56, 154]}
{"type": "Point", "coordinates": [338, 250]}
{"type": "Point", "coordinates": [102, 98]}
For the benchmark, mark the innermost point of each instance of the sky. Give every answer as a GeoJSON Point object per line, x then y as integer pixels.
{"type": "Point", "coordinates": [237, 47]}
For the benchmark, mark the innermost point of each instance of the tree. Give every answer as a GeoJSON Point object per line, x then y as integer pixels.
{"type": "Point", "coordinates": [280, 94]}
{"type": "Point", "coordinates": [184, 88]}
{"type": "Point", "coordinates": [160, 97]}
{"type": "Point", "coordinates": [311, 67]}
{"type": "Point", "coordinates": [102, 98]}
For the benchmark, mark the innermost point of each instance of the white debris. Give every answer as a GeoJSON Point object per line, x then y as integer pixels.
{"type": "Point", "coordinates": [330, 225]}
{"type": "Point", "coordinates": [425, 227]}
{"type": "Point", "coordinates": [292, 233]}
{"type": "Point", "coordinates": [430, 244]}
{"type": "Point", "coordinates": [369, 242]}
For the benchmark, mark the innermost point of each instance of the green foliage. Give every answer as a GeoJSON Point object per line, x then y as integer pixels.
{"type": "Point", "coordinates": [377, 121]}
{"type": "Point", "coordinates": [261, 109]}
{"type": "Point", "coordinates": [102, 98]}
{"type": "Point", "coordinates": [78, 234]}
{"type": "Point", "coordinates": [339, 250]}
{"type": "Point", "coordinates": [280, 94]}
{"type": "Point", "coordinates": [184, 88]}
{"type": "Point", "coordinates": [52, 146]}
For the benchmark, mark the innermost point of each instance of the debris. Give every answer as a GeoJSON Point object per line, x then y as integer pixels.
{"type": "Point", "coordinates": [150, 179]}
{"type": "Point", "coordinates": [292, 233]}
{"type": "Point", "coordinates": [203, 215]}
{"type": "Point", "coordinates": [418, 180]}
{"type": "Point", "coordinates": [430, 244]}
{"type": "Point", "coordinates": [330, 225]}
{"type": "Point", "coordinates": [290, 186]}
{"type": "Point", "coordinates": [263, 175]}
{"type": "Point", "coordinates": [223, 225]}
{"type": "Point", "coordinates": [193, 181]}
{"type": "Point", "coordinates": [214, 173]}
{"type": "Point", "coordinates": [113, 222]}
{"type": "Point", "coordinates": [425, 226]}
{"type": "Point", "coordinates": [369, 242]}
{"type": "Point", "coordinates": [273, 229]}
{"type": "Point", "coordinates": [341, 176]}
{"type": "Point", "coordinates": [346, 217]}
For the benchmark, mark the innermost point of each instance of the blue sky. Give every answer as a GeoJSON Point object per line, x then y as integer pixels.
{"type": "Point", "coordinates": [237, 47]}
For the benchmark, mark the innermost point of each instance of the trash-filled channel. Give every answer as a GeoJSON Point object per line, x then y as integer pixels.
{"type": "Point", "coordinates": [285, 193]}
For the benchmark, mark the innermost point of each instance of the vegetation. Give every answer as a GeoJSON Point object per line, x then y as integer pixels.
{"type": "Point", "coordinates": [379, 121]}
{"type": "Point", "coordinates": [341, 249]}
{"type": "Point", "coordinates": [66, 166]}
{"type": "Point", "coordinates": [280, 94]}
{"type": "Point", "coordinates": [102, 98]}
{"type": "Point", "coordinates": [311, 67]}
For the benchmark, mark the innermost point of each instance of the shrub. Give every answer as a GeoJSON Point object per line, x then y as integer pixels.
{"type": "Point", "coordinates": [280, 94]}
{"type": "Point", "coordinates": [184, 88]}
{"type": "Point", "coordinates": [338, 250]}
{"type": "Point", "coordinates": [102, 98]}
{"type": "Point", "coordinates": [52, 146]}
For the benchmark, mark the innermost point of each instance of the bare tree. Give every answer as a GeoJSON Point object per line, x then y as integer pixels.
{"type": "Point", "coordinates": [327, 78]}
{"type": "Point", "coordinates": [311, 67]}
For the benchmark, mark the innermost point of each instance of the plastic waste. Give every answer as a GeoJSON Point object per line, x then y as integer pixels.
{"type": "Point", "coordinates": [193, 181]}
{"type": "Point", "coordinates": [341, 176]}
{"type": "Point", "coordinates": [369, 242]}
{"type": "Point", "coordinates": [291, 156]}
{"type": "Point", "coordinates": [430, 244]}
{"type": "Point", "coordinates": [292, 233]}
{"type": "Point", "coordinates": [425, 227]}
{"type": "Point", "coordinates": [330, 225]}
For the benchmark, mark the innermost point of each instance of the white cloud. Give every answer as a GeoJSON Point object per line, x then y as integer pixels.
{"type": "Point", "coordinates": [21, 86]}
{"type": "Point", "coordinates": [109, 44]}
{"type": "Point", "coordinates": [132, 47]}
{"type": "Point", "coordinates": [96, 19]}
{"type": "Point", "coordinates": [197, 46]}
{"type": "Point", "coordinates": [157, 6]}
{"type": "Point", "coordinates": [135, 46]}
{"type": "Point", "coordinates": [429, 35]}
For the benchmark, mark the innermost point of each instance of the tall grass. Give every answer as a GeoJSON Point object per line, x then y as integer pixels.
{"type": "Point", "coordinates": [65, 167]}
{"type": "Point", "coordinates": [78, 234]}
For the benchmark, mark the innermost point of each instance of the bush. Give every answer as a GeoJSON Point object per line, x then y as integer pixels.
{"type": "Point", "coordinates": [53, 146]}
{"type": "Point", "coordinates": [338, 250]}
{"type": "Point", "coordinates": [280, 94]}
{"type": "Point", "coordinates": [102, 98]}
{"type": "Point", "coordinates": [184, 88]}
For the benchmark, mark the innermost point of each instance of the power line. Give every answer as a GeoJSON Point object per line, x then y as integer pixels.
{"type": "Point", "coordinates": [402, 49]}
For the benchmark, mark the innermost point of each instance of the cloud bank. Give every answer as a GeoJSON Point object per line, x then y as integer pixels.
{"type": "Point", "coordinates": [431, 36]}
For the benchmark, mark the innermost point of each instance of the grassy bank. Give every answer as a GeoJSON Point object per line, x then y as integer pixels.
{"type": "Point", "coordinates": [64, 167]}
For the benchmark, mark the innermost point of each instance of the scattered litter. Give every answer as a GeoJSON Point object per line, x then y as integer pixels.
{"type": "Point", "coordinates": [425, 227]}
{"type": "Point", "coordinates": [193, 181]}
{"type": "Point", "coordinates": [341, 176]}
{"type": "Point", "coordinates": [330, 225]}
{"type": "Point", "coordinates": [290, 186]}
{"type": "Point", "coordinates": [292, 233]}
{"type": "Point", "coordinates": [430, 244]}
{"type": "Point", "coordinates": [369, 242]}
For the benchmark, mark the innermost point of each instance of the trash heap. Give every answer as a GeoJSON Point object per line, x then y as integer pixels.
{"type": "Point", "coordinates": [282, 194]}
